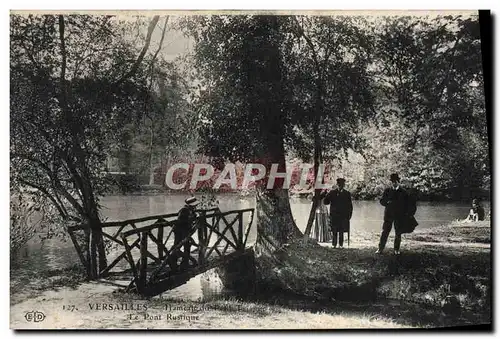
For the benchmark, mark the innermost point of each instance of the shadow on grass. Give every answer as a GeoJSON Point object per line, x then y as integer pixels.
{"type": "Point", "coordinates": [415, 288]}
{"type": "Point", "coordinates": [24, 285]}
{"type": "Point", "coordinates": [401, 312]}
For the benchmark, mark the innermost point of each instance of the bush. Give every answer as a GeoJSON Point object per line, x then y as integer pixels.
{"type": "Point", "coordinates": [123, 182]}
{"type": "Point", "coordinates": [22, 226]}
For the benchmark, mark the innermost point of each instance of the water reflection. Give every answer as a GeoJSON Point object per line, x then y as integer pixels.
{"type": "Point", "coordinates": [367, 215]}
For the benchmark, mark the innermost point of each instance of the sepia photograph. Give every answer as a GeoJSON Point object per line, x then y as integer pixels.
{"type": "Point", "coordinates": [250, 170]}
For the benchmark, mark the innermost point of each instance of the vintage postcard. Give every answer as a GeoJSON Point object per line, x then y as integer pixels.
{"type": "Point", "coordinates": [250, 170]}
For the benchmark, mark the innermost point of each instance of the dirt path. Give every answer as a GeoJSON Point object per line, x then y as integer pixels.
{"type": "Point", "coordinates": [57, 306]}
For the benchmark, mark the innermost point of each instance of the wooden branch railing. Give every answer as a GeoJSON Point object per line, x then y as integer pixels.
{"type": "Point", "coordinates": [225, 229]}
{"type": "Point", "coordinates": [112, 231]}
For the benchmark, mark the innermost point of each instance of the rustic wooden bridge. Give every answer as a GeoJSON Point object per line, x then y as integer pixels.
{"type": "Point", "coordinates": [142, 251]}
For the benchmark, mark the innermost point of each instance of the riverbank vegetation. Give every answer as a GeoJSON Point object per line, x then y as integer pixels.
{"type": "Point", "coordinates": [430, 269]}
{"type": "Point", "coordinates": [436, 281]}
{"type": "Point", "coordinates": [91, 80]}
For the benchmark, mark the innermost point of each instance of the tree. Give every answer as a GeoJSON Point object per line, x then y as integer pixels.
{"type": "Point", "coordinates": [327, 61]}
{"type": "Point", "coordinates": [277, 83]}
{"type": "Point", "coordinates": [165, 127]}
{"type": "Point", "coordinates": [75, 80]}
{"type": "Point", "coordinates": [429, 77]}
{"type": "Point", "coordinates": [240, 62]}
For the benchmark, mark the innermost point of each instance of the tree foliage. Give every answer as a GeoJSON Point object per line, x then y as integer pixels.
{"type": "Point", "coordinates": [418, 80]}
{"type": "Point", "coordinates": [75, 81]}
{"type": "Point", "coordinates": [242, 104]}
{"type": "Point", "coordinates": [319, 85]}
{"type": "Point", "coordinates": [431, 121]}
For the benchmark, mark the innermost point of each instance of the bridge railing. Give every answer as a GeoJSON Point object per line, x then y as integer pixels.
{"type": "Point", "coordinates": [118, 258]}
{"type": "Point", "coordinates": [214, 235]}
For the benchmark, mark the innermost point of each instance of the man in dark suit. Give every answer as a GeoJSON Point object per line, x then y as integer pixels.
{"type": "Point", "coordinates": [340, 203]}
{"type": "Point", "coordinates": [182, 229]}
{"type": "Point", "coordinates": [400, 208]}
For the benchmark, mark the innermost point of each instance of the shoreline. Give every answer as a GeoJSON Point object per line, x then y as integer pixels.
{"type": "Point", "coordinates": [251, 195]}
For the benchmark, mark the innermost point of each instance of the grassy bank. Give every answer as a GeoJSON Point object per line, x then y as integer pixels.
{"type": "Point", "coordinates": [24, 286]}
{"type": "Point", "coordinates": [439, 266]}
{"type": "Point", "coordinates": [346, 288]}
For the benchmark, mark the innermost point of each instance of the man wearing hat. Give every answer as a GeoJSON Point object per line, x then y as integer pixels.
{"type": "Point", "coordinates": [182, 229]}
{"type": "Point", "coordinates": [400, 208]}
{"type": "Point", "coordinates": [340, 203]}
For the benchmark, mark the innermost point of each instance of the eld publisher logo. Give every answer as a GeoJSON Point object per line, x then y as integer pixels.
{"type": "Point", "coordinates": [35, 316]}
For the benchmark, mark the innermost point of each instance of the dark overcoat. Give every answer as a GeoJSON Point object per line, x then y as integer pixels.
{"type": "Point", "coordinates": [184, 223]}
{"type": "Point", "coordinates": [400, 207]}
{"type": "Point", "coordinates": [340, 209]}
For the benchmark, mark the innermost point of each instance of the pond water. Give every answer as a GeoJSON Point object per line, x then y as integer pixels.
{"type": "Point", "coordinates": [56, 253]}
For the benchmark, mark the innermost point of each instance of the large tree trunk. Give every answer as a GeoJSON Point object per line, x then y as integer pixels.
{"type": "Point", "coordinates": [277, 235]}
{"type": "Point", "coordinates": [94, 246]}
{"type": "Point", "coordinates": [97, 258]}
{"type": "Point", "coordinates": [275, 224]}
{"type": "Point", "coordinates": [96, 249]}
